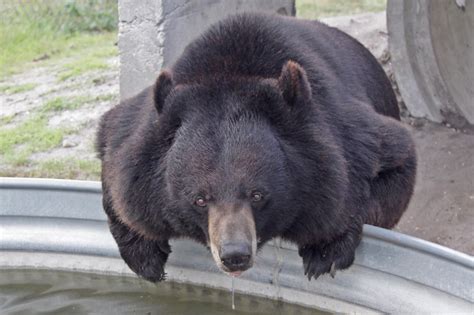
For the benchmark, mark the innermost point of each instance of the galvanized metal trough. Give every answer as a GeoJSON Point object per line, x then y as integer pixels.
{"type": "Point", "coordinates": [60, 225]}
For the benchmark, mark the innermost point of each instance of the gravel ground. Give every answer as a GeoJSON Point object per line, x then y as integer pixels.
{"type": "Point", "coordinates": [94, 84]}
{"type": "Point", "coordinates": [93, 92]}
{"type": "Point", "coordinates": [441, 210]}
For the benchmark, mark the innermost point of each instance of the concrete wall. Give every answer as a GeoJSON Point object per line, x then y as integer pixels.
{"type": "Point", "coordinates": [432, 49]}
{"type": "Point", "coordinates": [153, 33]}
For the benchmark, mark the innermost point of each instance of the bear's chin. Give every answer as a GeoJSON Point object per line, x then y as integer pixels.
{"type": "Point", "coordinates": [235, 273]}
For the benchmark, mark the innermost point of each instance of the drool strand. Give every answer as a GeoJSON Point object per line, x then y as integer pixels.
{"type": "Point", "coordinates": [233, 294]}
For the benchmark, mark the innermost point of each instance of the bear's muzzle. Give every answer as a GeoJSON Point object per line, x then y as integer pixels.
{"type": "Point", "coordinates": [232, 236]}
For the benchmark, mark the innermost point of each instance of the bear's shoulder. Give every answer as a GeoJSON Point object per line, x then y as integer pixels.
{"type": "Point", "coordinates": [120, 122]}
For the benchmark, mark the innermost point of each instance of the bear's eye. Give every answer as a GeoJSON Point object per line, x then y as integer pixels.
{"type": "Point", "coordinates": [200, 201]}
{"type": "Point", "coordinates": [257, 196]}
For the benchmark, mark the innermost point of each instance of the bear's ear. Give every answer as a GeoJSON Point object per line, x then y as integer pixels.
{"type": "Point", "coordinates": [163, 86]}
{"type": "Point", "coordinates": [293, 83]}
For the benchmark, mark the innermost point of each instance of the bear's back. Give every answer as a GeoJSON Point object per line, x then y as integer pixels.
{"type": "Point", "coordinates": [253, 44]}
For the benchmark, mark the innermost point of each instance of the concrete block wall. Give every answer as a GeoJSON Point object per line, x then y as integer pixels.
{"type": "Point", "coordinates": [153, 33]}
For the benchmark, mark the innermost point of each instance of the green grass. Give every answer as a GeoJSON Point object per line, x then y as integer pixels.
{"type": "Point", "coordinates": [58, 168]}
{"type": "Point", "coordinates": [5, 120]}
{"type": "Point", "coordinates": [313, 9]}
{"type": "Point", "coordinates": [106, 97]}
{"type": "Point", "coordinates": [16, 58]}
{"type": "Point", "coordinates": [69, 168]}
{"type": "Point", "coordinates": [45, 29]}
{"type": "Point", "coordinates": [33, 135]}
{"type": "Point", "coordinates": [63, 103]}
{"type": "Point", "coordinates": [77, 35]}
{"type": "Point", "coordinates": [77, 68]}
{"type": "Point", "coordinates": [94, 58]}
{"type": "Point", "coordinates": [13, 89]}
{"type": "Point", "coordinates": [17, 144]}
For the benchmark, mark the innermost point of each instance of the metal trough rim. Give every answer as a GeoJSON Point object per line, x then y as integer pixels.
{"type": "Point", "coordinates": [378, 247]}
{"type": "Point", "coordinates": [369, 230]}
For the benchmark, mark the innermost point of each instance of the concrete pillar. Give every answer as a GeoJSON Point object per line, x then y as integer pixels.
{"type": "Point", "coordinates": [432, 48]}
{"type": "Point", "coordinates": [153, 33]}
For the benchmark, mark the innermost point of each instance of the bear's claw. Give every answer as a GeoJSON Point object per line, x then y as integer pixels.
{"type": "Point", "coordinates": [315, 261]}
{"type": "Point", "coordinates": [333, 270]}
{"type": "Point", "coordinates": [152, 267]}
{"type": "Point", "coordinates": [318, 260]}
{"type": "Point", "coordinates": [147, 258]}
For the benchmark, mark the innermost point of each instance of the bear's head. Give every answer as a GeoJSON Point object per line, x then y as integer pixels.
{"type": "Point", "coordinates": [234, 159]}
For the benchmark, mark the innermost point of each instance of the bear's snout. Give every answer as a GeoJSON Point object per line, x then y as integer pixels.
{"type": "Point", "coordinates": [232, 236]}
{"type": "Point", "coordinates": [236, 256]}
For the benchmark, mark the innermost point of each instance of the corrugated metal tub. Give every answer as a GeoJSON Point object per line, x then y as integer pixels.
{"type": "Point", "coordinates": [60, 225]}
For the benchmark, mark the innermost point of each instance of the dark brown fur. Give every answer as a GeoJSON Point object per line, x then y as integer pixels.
{"type": "Point", "coordinates": [296, 110]}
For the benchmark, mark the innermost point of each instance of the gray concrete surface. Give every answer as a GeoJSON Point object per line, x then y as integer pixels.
{"type": "Point", "coordinates": [153, 33]}
{"type": "Point", "coordinates": [432, 48]}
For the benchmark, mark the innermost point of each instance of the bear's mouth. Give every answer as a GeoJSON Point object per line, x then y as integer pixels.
{"type": "Point", "coordinates": [235, 273]}
{"type": "Point", "coordinates": [232, 237]}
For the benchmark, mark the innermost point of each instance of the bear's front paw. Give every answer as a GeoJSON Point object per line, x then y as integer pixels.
{"type": "Point", "coordinates": [315, 262]}
{"type": "Point", "coordinates": [148, 259]}
{"type": "Point", "coordinates": [318, 260]}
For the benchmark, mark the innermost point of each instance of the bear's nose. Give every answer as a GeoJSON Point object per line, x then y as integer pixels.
{"type": "Point", "coordinates": [236, 255]}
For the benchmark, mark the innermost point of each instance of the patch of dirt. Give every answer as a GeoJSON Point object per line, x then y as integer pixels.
{"type": "Point", "coordinates": [442, 208]}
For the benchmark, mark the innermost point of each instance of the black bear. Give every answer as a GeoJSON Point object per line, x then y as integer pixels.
{"type": "Point", "coordinates": [266, 126]}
